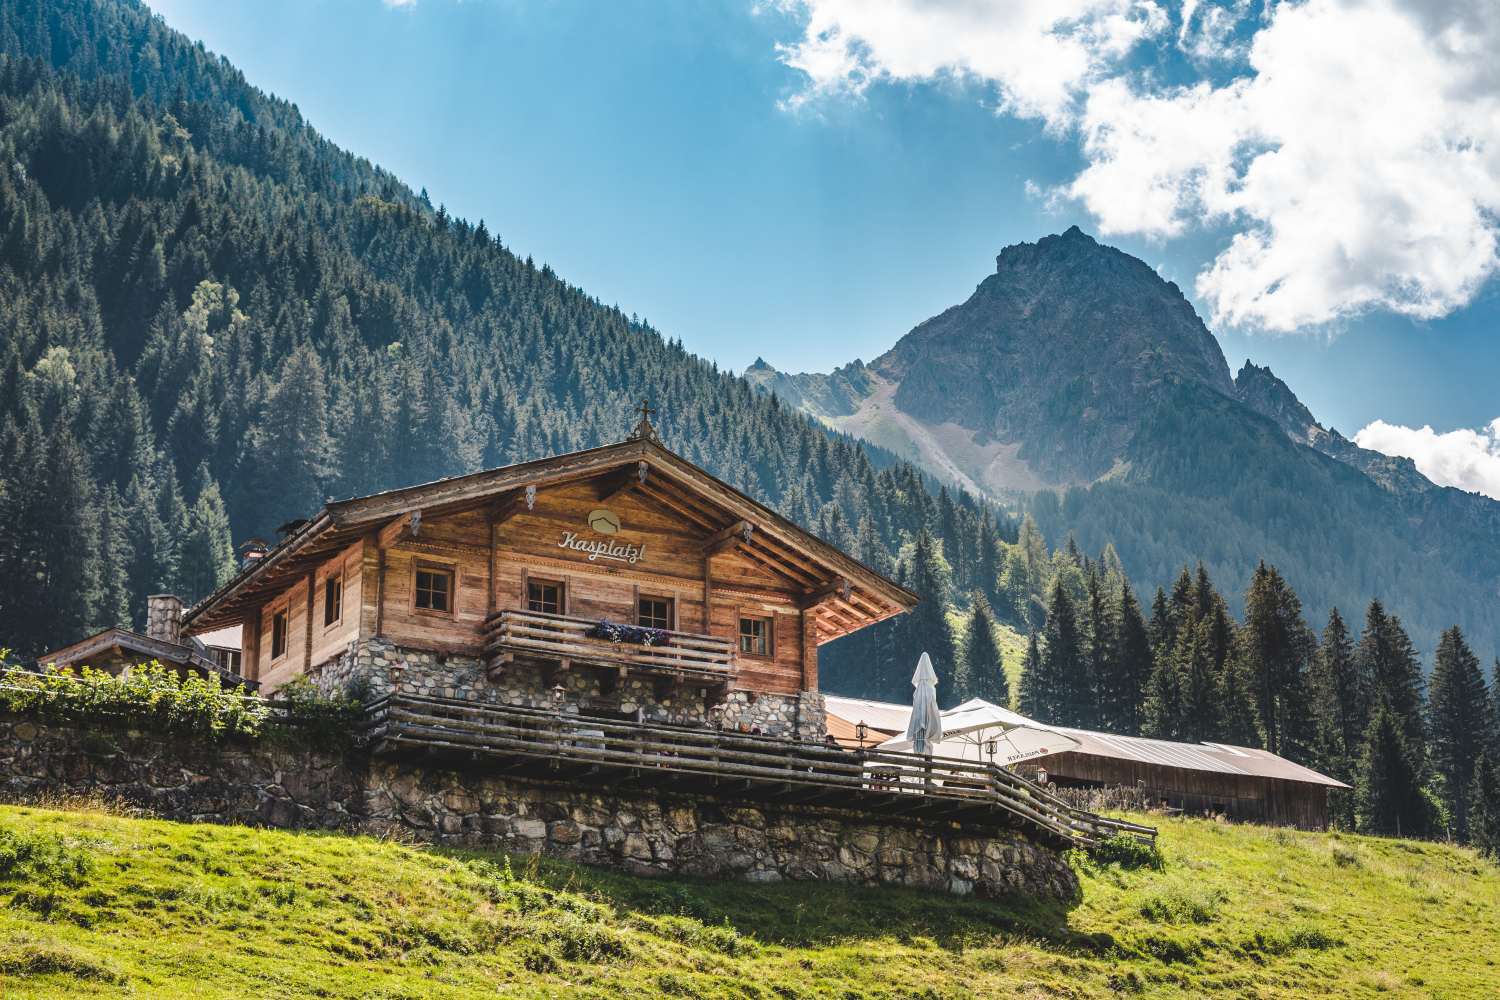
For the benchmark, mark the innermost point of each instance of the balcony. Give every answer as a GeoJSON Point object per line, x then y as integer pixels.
{"type": "Point", "coordinates": [560, 639]}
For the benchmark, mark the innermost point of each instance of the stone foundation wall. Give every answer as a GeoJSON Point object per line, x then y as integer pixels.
{"type": "Point", "coordinates": [264, 783]}
{"type": "Point", "coordinates": [374, 668]}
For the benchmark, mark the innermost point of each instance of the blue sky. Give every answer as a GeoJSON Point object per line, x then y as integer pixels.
{"type": "Point", "coordinates": [806, 182]}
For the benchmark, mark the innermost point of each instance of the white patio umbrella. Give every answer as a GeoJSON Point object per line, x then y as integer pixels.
{"type": "Point", "coordinates": [925, 727]}
{"type": "Point", "coordinates": [974, 728]}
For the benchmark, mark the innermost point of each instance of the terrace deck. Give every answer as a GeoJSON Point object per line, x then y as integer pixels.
{"type": "Point", "coordinates": [620, 755]}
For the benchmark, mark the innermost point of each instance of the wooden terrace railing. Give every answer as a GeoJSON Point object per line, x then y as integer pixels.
{"type": "Point", "coordinates": [625, 755]}
{"type": "Point", "coordinates": [702, 658]}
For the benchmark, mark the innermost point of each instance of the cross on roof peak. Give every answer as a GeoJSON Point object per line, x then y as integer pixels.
{"type": "Point", "coordinates": [643, 429]}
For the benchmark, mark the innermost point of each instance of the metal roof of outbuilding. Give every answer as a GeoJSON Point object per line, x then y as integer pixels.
{"type": "Point", "coordinates": [1217, 758]}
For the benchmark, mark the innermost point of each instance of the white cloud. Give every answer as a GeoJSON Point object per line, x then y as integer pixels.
{"type": "Point", "coordinates": [1467, 459]}
{"type": "Point", "coordinates": [400, 4]}
{"type": "Point", "coordinates": [1350, 149]}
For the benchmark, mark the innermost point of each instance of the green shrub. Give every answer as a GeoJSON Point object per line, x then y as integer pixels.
{"type": "Point", "coordinates": [149, 696]}
{"type": "Point", "coordinates": [1126, 852]}
{"type": "Point", "coordinates": [303, 711]}
{"type": "Point", "coordinates": [1184, 905]}
{"type": "Point", "coordinates": [42, 860]}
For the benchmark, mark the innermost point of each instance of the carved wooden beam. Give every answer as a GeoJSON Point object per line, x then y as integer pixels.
{"type": "Point", "coordinates": [623, 481]}
{"type": "Point", "coordinates": [735, 535]}
{"type": "Point", "coordinates": [839, 588]}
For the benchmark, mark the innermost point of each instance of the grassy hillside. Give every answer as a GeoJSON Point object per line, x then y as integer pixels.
{"type": "Point", "coordinates": [99, 905]}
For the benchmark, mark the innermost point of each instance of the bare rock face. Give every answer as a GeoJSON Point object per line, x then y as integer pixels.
{"type": "Point", "coordinates": [1061, 350]}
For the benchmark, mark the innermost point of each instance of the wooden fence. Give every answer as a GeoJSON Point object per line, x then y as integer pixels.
{"type": "Point", "coordinates": [624, 755]}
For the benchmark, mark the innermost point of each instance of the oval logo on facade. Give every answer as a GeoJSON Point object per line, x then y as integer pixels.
{"type": "Point", "coordinates": [606, 522]}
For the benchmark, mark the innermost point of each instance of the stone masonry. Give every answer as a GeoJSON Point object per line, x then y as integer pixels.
{"type": "Point", "coordinates": [269, 784]}
{"type": "Point", "coordinates": [374, 668]}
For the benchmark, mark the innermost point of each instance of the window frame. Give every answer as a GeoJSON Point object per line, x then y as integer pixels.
{"type": "Point", "coordinates": [769, 621]}
{"type": "Point", "coordinates": [333, 587]}
{"type": "Point", "coordinates": [544, 581]}
{"type": "Point", "coordinates": [281, 617]}
{"type": "Point", "coordinates": [435, 570]}
{"type": "Point", "coordinates": [670, 603]}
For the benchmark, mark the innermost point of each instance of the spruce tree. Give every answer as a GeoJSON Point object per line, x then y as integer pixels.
{"type": "Point", "coordinates": [981, 672]}
{"type": "Point", "coordinates": [1200, 685]}
{"type": "Point", "coordinates": [1037, 695]}
{"type": "Point", "coordinates": [1275, 648]}
{"type": "Point", "coordinates": [1386, 656]}
{"type": "Point", "coordinates": [1484, 806]}
{"type": "Point", "coordinates": [1388, 790]}
{"type": "Point", "coordinates": [1460, 712]}
{"type": "Point", "coordinates": [1063, 662]}
{"type": "Point", "coordinates": [1123, 713]}
{"type": "Point", "coordinates": [207, 547]}
{"type": "Point", "coordinates": [1162, 711]}
{"type": "Point", "coordinates": [925, 629]}
{"type": "Point", "coordinates": [1341, 698]}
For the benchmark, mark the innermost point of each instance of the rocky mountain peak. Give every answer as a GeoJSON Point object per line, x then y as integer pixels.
{"type": "Point", "coordinates": [1057, 352]}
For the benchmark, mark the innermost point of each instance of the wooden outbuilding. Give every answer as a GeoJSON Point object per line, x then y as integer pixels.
{"type": "Point", "coordinates": [1204, 779]}
{"type": "Point", "coordinates": [621, 581]}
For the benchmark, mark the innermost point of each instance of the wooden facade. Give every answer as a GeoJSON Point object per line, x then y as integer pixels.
{"type": "Point", "coordinates": [518, 566]}
{"type": "Point", "coordinates": [1251, 798]}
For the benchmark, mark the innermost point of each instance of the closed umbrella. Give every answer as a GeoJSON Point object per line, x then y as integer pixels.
{"type": "Point", "coordinates": [925, 727]}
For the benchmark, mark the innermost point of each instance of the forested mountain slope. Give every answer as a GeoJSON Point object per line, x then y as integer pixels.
{"type": "Point", "coordinates": [211, 319]}
{"type": "Point", "coordinates": [1078, 379]}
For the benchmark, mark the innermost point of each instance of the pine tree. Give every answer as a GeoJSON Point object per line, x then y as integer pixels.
{"type": "Point", "coordinates": [1067, 699]}
{"type": "Point", "coordinates": [114, 560]}
{"type": "Point", "coordinates": [1275, 648]}
{"type": "Point", "coordinates": [1200, 685]}
{"type": "Point", "coordinates": [1460, 720]}
{"type": "Point", "coordinates": [1386, 656]}
{"type": "Point", "coordinates": [925, 629]}
{"type": "Point", "coordinates": [1341, 699]}
{"type": "Point", "coordinates": [1162, 711]}
{"type": "Point", "coordinates": [70, 541]}
{"type": "Point", "coordinates": [1388, 792]}
{"type": "Point", "coordinates": [981, 672]}
{"type": "Point", "coordinates": [1123, 712]}
{"type": "Point", "coordinates": [207, 547]}
{"type": "Point", "coordinates": [1484, 806]}
{"type": "Point", "coordinates": [1037, 696]}
{"type": "Point", "coordinates": [1101, 632]}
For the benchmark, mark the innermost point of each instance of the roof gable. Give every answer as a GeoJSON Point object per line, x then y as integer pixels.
{"type": "Point", "coordinates": [843, 594]}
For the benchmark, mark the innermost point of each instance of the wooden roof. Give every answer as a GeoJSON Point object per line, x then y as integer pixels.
{"type": "Point", "coordinates": [125, 644]}
{"type": "Point", "coordinates": [844, 594]}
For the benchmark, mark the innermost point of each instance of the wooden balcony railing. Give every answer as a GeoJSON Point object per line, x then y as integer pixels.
{"type": "Point", "coordinates": [531, 634]}
{"type": "Point", "coordinates": [625, 755]}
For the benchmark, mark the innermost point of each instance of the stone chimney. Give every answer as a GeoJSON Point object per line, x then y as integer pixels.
{"type": "Point", "coordinates": [164, 618]}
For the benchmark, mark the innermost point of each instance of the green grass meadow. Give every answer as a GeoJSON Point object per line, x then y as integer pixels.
{"type": "Point", "coordinates": [94, 904]}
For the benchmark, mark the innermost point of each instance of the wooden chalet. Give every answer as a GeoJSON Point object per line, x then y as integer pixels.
{"type": "Point", "coordinates": [622, 581]}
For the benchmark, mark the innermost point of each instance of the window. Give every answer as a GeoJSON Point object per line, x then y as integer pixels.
{"type": "Point", "coordinates": [227, 659]}
{"type": "Point", "coordinates": [333, 600]}
{"type": "Point", "coordinates": [654, 612]}
{"type": "Point", "coordinates": [755, 636]}
{"type": "Point", "coordinates": [435, 590]}
{"type": "Point", "coordinates": [545, 596]}
{"type": "Point", "coordinates": [278, 634]}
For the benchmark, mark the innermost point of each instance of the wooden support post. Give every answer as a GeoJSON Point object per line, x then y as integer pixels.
{"type": "Point", "coordinates": [312, 579]}
{"type": "Point", "coordinates": [380, 594]}
{"type": "Point", "coordinates": [490, 585]}
{"type": "Point", "coordinates": [809, 651]}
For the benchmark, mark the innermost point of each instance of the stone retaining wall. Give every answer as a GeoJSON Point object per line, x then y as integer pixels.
{"type": "Point", "coordinates": [375, 667]}
{"type": "Point", "coordinates": [292, 787]}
